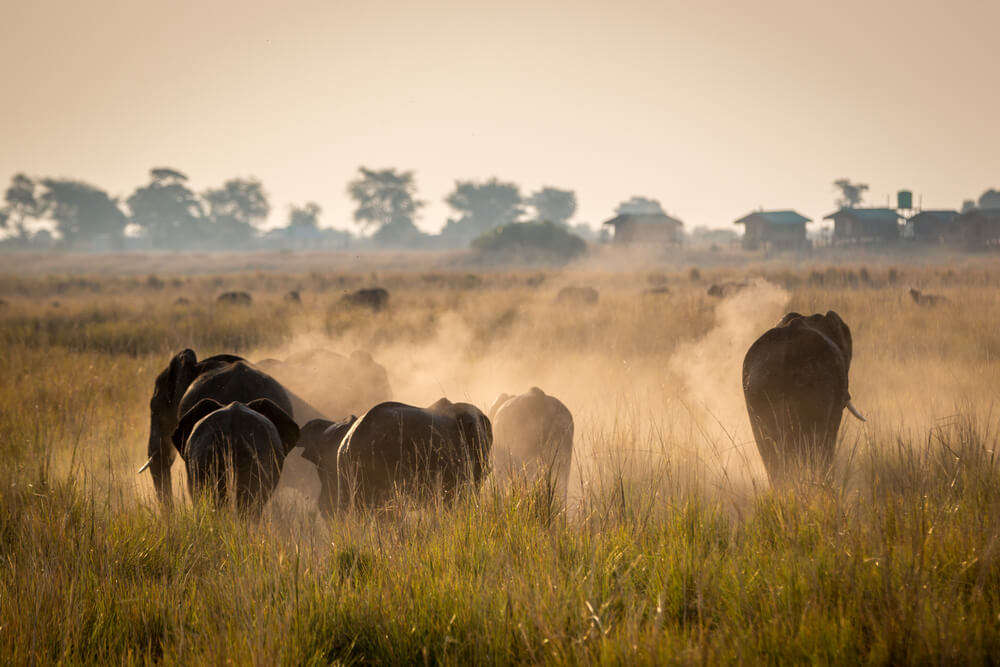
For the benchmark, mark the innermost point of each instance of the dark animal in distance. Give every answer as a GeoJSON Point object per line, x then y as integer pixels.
{"type": "Point", "coordinates": [577, 295]}
{"type": "Point", "coordinates": [397, 448]}
{"type": "Point", "coordinates": [235, 298]}
{"type": "Point", "coordinates": [335, 384]}
{"type": "Point", "coordinates": [375, 298]}
{"type": "Point", "coordinates": [720, 290]}
{"type": "Point", "coordinates": [795, 381]}
{"type": "Point", "coordinates": [533, 438]}
{"type": "Point", "coordinates": [293, 297]}
{"type": "Point", "coordinates": [922, 299]}
{"type": "Point", "coordinates": [242, 444]}
{"type": "Point", "coordinates": [185, 382]}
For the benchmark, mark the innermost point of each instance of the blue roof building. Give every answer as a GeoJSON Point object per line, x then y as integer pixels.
{"type": "Point", "coordinates": [774, 230]}
{"type": "Point", "coordinates": [865, 225]}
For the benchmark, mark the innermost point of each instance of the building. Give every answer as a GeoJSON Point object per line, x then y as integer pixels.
{"type": "Point", "coordinates": [646, 228]}
{"type": "Point", "coordinates": [976, 229]}
{"type": "Point", "coordinates": [865, 225]}
{"type": "Point", "coordinates": [931, 226]}
{"type": "Point", "coordinates": [774, 230]}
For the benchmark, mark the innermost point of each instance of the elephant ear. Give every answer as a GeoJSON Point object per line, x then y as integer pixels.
{"type": "Point", "coordinates": [322, 437]}
{"type": "Point", "coordinates": [841, 334]}
{"type": "Point", "coordinates": [477, 435]}
{"type": "Point", "coordinates": [497, 404]}
{"type": "Point", "coordinates": [201, 409]}
{"type": "Point", "coordinates": [789, 318]}
{"type": "Point", "coordinates": [288, 430]}
{"type": "Point", "coordinates": [174, 380]}
{"type": "Point", "coordinates": [311, 438]}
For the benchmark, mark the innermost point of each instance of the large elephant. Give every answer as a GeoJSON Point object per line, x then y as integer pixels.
{"type": "Point", "coordinates": [398, 448]}
{"type": "Point", "coordinates": [532, 436]}
{"type": "Point", "coordinates": [241, 444]}
{"type": "Point", "coordinates": [795, 380]}
{"type": "Point", "coordinates": [185, 381]}
{"type": "Point", "coordinates": [336, 385]}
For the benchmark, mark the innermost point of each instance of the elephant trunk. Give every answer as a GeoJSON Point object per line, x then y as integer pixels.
{"type": "Point", "coordinates": [159, 463]}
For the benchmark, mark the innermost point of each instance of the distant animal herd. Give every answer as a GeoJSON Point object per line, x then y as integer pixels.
{"type": "Point", "coordinates": [239, 428]}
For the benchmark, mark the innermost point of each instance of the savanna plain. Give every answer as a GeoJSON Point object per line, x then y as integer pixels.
{"type": "Point", "coordinates": [671, 547]}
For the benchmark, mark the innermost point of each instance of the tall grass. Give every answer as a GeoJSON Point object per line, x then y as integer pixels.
{"type": "Point", "coordinates": [671, 550]}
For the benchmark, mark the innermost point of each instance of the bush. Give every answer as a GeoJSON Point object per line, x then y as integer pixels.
{"type": "Point", "coordinates": [528, 239]}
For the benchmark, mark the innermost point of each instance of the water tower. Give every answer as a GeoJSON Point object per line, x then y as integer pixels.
{"type": "Point", "coordinates": [904, 206]}
{"type": "Point", "coordinates": [904, 200]}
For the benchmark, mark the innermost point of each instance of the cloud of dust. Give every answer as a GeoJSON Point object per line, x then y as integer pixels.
{"type": "Point", "coordinates": [710, 370]}
{"type": "Point", "coordinates": [690, 396]}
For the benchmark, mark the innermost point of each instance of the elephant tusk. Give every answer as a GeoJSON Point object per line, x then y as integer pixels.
{"type": "Point", "coordinates": [854, 411]}
{"type": "Point", "coordinates": [143, 468]}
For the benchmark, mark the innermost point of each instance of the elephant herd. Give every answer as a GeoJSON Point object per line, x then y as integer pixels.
{"type": "Point", "coordinates": [235, 424]}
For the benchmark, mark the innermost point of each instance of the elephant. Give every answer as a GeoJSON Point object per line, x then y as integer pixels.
{"type": "Point", "coordinates": [293, 297]}
{"type": "Point", "coordinates": [795, 381]}
{"type": "Point", "coordinates": [375, 298]}
{"type": "Point", "coordinates": [922, 299]}
{"type": "Point", "coordinates": [720, 290]}
{"type": "Point", "coordinates": [336, 385]}
{"type": "Point", "coordinates": [533, 435]}
{"type": "Point", "coordinates": [577, 295]}
{"type": "Point", "coordinates": [186, 381]}
{"type": "Point", "coordinates": [395, 447]}
{"type": "Point", "coordinates": [245, 444]}
{"type": "Point", "coordinates": [235, 298]}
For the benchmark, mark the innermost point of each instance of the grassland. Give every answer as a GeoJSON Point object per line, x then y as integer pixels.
{"type": "Point", "coordinates": [673, 549]}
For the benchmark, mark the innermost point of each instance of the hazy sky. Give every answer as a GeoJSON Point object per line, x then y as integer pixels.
{"type": "Point", "coordinates": [714, 108]}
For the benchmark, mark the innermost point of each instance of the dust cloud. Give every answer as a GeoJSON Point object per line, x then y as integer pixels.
{"type": "Point", "coordinates": [710, 369]}
{"type": "Point", "coordinates": [684, 403]}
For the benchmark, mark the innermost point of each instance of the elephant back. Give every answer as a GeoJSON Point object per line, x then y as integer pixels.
{"type": "Point", "coordinates": [235, 381]}
{"type": "Point", "coordinates": [793, 359]}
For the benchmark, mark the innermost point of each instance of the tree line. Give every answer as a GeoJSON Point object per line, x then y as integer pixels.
{"type": "Point", "coordinates": [166, 213]}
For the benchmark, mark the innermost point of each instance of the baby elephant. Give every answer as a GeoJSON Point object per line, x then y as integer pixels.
{"type": "Point", "coordinates": [533, 436]}
{"type": "Point", "coordinates": [239, 444]}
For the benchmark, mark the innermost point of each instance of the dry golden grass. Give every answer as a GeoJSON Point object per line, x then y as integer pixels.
{"type": "Point", "coordinates": [673, 549]}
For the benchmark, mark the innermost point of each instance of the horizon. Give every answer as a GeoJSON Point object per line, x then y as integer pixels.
{"type": "Point", "coordinates": [686, 105]}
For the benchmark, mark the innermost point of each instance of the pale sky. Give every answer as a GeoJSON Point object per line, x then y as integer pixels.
{"type": "Point", "coordinates": [714, 108]}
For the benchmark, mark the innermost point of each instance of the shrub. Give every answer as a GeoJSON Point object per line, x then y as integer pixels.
{"type": "Point", "coordinates": [530, 239]}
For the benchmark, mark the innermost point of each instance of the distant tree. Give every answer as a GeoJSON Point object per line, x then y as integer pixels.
{"type": "Point", "coordinates": [482, 207]}
{"type": "Point", "coordinates": [386, 201]}
{"type": "Point", "coordinates": [167, 210]}
{"type": "Point", "coordinates": [851, 194]}
{"type": "Point", "coordinates": [968, 205]}
{"type": "Point", "coordinates": [990, 199]}
{"type": "Point", "coordinates": [81, 211]}
{"type": "Point", "coordinates": [552, 204]}
{"type": "Point", "coordinates": [640, 206]}
{"type": "Point", "coordinates": [22, 205]}
{"type": "Point", "coordinates": [304, 217]}
{"type": "Point", "coordinates": [235, 209]}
